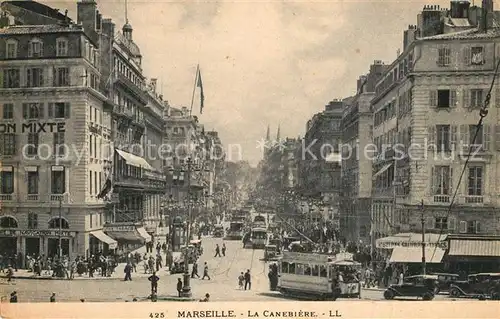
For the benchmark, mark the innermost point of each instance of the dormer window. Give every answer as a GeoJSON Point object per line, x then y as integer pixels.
{"type": "Point", "coordinates": [35, 48]}
{"type": "Point", "coordinates": [11, 49]}
{"type": "Point", "coordinates": [61, 47]}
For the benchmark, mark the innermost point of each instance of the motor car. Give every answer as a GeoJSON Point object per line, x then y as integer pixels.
{"type": "Point", "coordinates": [445, 280]}
{"type": "Point", "coordinates": [270, 252]}
{"type": "Point", "coordinates": [481, 286]}
{"type": "Point", "coordinates": [420, 286]}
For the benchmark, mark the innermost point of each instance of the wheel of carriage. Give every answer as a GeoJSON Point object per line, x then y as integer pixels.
{"type": "Point", "coordinates": [388, 294]}
{"type": "Point", "coordinates": [428, 296]}
{"type": "Point", "coordinates": [454, 292]}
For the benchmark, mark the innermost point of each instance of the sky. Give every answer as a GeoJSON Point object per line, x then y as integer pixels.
{"type": "Point", "coordinates": [262, 62]}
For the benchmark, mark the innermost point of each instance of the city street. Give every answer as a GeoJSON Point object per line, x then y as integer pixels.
{"type": "Point", "coordinates": [223, 285]}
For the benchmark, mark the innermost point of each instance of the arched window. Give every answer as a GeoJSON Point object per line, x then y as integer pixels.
{"type": "Point", "coordinates": [35, 48]}
{"type": "Point", "coordinates": [8, 222]}
{"type": "Point", "coordinates": [11, 49]}
{"type": "Point", "coordinates": [61, 47]}
{"type": "Point", "coordinates": [54, 223]}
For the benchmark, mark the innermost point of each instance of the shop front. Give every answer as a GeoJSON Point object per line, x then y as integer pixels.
{"type": "Point", "coordinates": [404, 251]}
{"type": "Point", "coordinates": [99, 242]}
{"type": "Point", "coordinates": [470, 254]}
{"type": "Point", "coordinates": [128, 237]}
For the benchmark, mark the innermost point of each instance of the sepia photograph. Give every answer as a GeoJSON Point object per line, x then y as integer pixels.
{"type": "Point", "coordinates": [334, 152]}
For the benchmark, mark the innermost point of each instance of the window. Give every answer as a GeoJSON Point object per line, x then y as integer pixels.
{"type": "Point", "coordinates": [91, 190]}
{"type": "Point", "coordinates": [59, 147]}
{"type": "Point", "coordinates": [11, 52]}
{"type": "Point", "coordinates": [475, 186]}
{"type": "Point", "coordinates": [34, 77]}
{"type": "Point", "coordinates": [11, 78]}
{"type": "Point", "coordinates": [7, 180]}
{"type": "Point", "coordinates": [32, 220]}
{"type": "Point", "coordinates": [476, 98]}
{"type": "Point", "coordinates": [8, 111]}
{"type": "Point", "coordinates": [8, 144]}
{"type": "Point", "coordinates": [444, 56]}
{"type": "Point", "coordinates": [441, 223]}
{"type": "Point", "coordinates": [33, 139]}
{"type": "Point", "coordinates": [473, 227]}
{"type": "Point", "coordinates": [96, 189]}
{"type": "Point", "coordinates": [33, 182]}
{"type": "Point", "coordinates": [61, 47]}
{"type": "Point", "coordinates": [58, 180]}
{"type": "Point", "coordinates": [59, 110]}
{"type": "Point", "coordinates": [33, 110]}
{"type": "Point", "coordinates": [35, 48]}
{"type": "Point", "coordinates": [61, 77]}
{"type": "Point", "coordinates": [443, 98]}
{"type": "Point", "coordinates": [477, 55]}
{"type": "Point", "coordinates": [443, 138]}
{"type": "Point", "coordinates": [478, 141]}
{"type": "Point", "coordinates": [58, 222]}
{"type": "Point", "coordinates": [442, 177]}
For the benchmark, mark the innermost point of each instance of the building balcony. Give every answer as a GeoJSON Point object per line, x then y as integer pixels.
{"type": "Point", "coordinates": [7, 197]}
{"type": "Point", "coordinates": [32, 197]}
{"type": "Point", "coordinates": [144, 183]}
{"type": "Point", "coordinates": [59, 198]}
{"type": "Point", "coordinates": [132, 88]}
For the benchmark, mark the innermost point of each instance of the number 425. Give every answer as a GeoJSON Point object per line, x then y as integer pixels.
{"type": "Point", "coordinates": [155, 315]}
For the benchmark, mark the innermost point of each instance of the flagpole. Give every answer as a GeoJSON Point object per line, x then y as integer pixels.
{"type": "Point", "coordinates": [194, 88]}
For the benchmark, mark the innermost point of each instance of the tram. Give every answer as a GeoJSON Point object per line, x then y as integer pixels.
{"type": "Point", "coordinates": [314, 276]}
{"type": "Point", "coordinates": [259, 221]}
{"type": "Point", "coordinates": [236, 228]}
{"type": "Point", "coordinates": [257, 238]}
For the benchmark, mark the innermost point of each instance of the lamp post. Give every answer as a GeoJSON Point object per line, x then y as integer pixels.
{"type": "Point", "coordinates": [186, 290]}
{"type": "Point", "coordinates": [60, 229]}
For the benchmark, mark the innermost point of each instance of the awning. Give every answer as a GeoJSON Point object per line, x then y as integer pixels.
{"type": "Point", "coordinates": [126, 236]}
{"type": "Point", "coordinates": [144, 234]}
{"type": "Point", "coordinates": [414, 255]}
{"type": "Point", "coordinates": [99, 234]}
{"type": "Point", "coordinates": [380, 171]}
{"type": "Point", "coordinates": [411, 240]}
{"type": "Point", "coordinates": [489, 248]}
{"type": "Point", "coordinates": [134, 160]}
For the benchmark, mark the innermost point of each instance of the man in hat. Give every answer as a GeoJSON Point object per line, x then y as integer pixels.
{"type": "Point", "coordinates": [13, 297]}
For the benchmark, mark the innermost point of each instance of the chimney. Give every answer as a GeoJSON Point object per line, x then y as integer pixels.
{"type": "Point", "coordinates": [430, 21]}
{"type": "Point", "coordinates": [87, 16]}
{"type": "Point", "coordinates": [459, 9]}
{"type": "Point", "coordinates": [487, 16]}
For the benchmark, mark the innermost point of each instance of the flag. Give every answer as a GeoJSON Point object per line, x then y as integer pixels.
{"type": "Point", "coordinates": [202, 96]}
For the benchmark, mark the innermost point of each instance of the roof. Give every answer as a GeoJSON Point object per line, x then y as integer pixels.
{"type": "Point", "coordinates": [460, 22]}
{"type": "Point", "coordinates": [38, 8]}
{"type": "Point", "coordinates": [470, 34]}
{"type": "Point", "coordinates": [33, 29]}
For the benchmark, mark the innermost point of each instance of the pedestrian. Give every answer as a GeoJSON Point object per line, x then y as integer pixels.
{"type": "Point", "coordinates": [158, 248]}
{"type": "Point", "coordinates": [53, 297]}
{"type": "Point", "coordinates": [151, 264]}
{"type": "Point", "coordinates": [205, 272]}
{"type": "Point", "coordinates": [217, 251]}
{"type": "Point", "coordinates": [179, 286]}
{"type": "Point", "coordinates": [241, 279]}
{"type": "Point", "coordinates": [206, 299]}
{"type": "Point", "coordinates": [224, 249]}
{"type": "Point", "coordinates": [13, 297]}
{"type": "Point", "coordinates": [128, 272]}
{"type": "Point", "coordinates": [154, 283]}
{"type": "Point", "coordinates": [401, 277]}
{"type": "Point", "coordinates": [248, 280]}
{"type": "Point", "coordinates": [194, 271]}
{"type": "Point", "coordinates": [10, 273]}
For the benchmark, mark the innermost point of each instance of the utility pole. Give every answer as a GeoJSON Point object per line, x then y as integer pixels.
{"type": "Point", "coordinates": [186, 290]}
{"type": "Point", "coordinates": [422, 220]}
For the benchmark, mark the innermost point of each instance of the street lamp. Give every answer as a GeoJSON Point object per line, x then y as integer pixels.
{"type": "Point", "coordinates": [186, 290]}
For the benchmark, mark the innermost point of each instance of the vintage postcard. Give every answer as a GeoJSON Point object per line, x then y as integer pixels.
{"type": "Point", "coordinates": [249, 159]}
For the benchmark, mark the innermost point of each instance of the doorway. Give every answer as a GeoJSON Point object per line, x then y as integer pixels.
{"type": "Point", "coordinates": [8, 246]}
{"type": "Point", "coordinates": [32, 247]}
{"type": "Point", "coordinates": [53, 247]}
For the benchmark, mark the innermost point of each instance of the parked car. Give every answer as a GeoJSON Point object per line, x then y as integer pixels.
{"type": "Point", "coordinates": [481, 286]}
{"type": "Point", "coordinates": [424, 286]}
{"type": "Point", "coordinates": [445, 280]}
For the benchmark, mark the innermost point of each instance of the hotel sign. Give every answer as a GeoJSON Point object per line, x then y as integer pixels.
{"type": "Point", "coordinates": [37, 233]}
{"type": "Point", "coordinates": [33, 127]}
{"type": "Point", "coordinates": [395, 244]}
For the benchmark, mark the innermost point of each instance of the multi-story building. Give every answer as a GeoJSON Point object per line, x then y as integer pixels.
{"type": "Point", "coordinates": [135, 113]}
{"type": "Point", "coordinates": [51, 103]}
{"type": "Point", "coordinates": [356, 165]}
{"type": "Point", "coordinates": [429, 99]}
{"type": "Point", "coordinates": [320, 172]}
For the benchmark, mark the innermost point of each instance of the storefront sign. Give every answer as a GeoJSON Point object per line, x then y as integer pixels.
{"type": "Point", "coordinates": [47, 233]}
{"type": "Point", "coordinates": [33, 127]}
{"type": "Point", "coordinates": [123, 228]}
{"type": "Point", "coordinates": [394, 244]}
{"type": "Point", "coordinates": [8, 232]}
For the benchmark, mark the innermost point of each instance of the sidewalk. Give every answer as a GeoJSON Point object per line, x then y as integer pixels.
{"type": "Point", "coordinates": [116, 275]}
